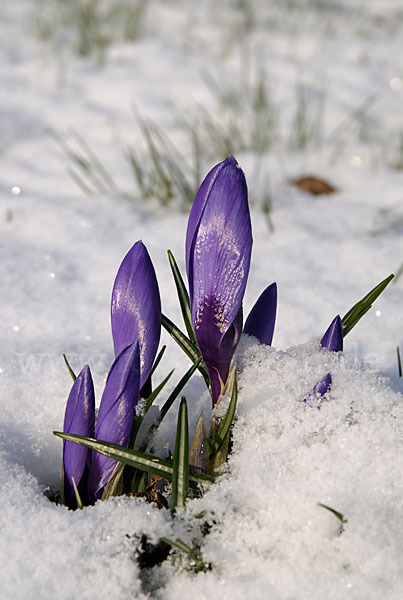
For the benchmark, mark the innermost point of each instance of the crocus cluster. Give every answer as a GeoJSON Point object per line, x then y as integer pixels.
{"type": "Point", "coordinates": [218, 254]}
{"type": "Point", "coordinates": [136, 330]}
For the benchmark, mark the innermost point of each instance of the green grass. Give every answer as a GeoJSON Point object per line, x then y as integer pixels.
{"type": "Point", "coordinates": [88, 27]}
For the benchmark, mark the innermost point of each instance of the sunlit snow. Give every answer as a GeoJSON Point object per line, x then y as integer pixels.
{"type": "Point", "coordinates": [267, 538]}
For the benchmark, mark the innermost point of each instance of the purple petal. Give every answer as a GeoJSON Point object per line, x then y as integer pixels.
{"type": "Point", "coordinates": [79, 419]}
{"type": "Point", "coordinates": [262, 318]}
{"type": "Point", "coordinates": [320, 389]}
{"type": "Point", "coordinates": [116, 414]}
{"type": "Point", "coordinates": [333, 338]}
{"type": "Point", "coordinates": [218, 358]}
{"type": "Point", "coordinates": [218, 247]}
{"type": "Point", "coordinates": [136, 307]}
{"type": "Point", "coordinates": [198, 206]}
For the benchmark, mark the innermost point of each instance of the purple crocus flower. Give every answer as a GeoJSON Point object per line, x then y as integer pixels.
{"type": "Point", "coordinates": [136, 307]}
{"type": "Point", "coordinates": [79, 419]}
{"type": "Point", "coordinates": [218, 251]}
{"type": "Point", "coordinates": [262, 318]}
{"type": "Point", "coordinates": [333, 338]}
{"type": "Point", "coordinates": [116, 414]}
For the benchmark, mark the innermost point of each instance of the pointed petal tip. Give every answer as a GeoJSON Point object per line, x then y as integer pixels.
{"type": "Point", "coordinates": [219, 179]}
{"type": "Point", "coordinates": [231, 160]}
{"type": "Point", "coordinates": [136, 306]}
{"type": "Point", "coordinates": [333, 337]}
{"type": "Point", "coordinates": [262, 318]}
{"type": "Point", "coordinates": [79, 419]}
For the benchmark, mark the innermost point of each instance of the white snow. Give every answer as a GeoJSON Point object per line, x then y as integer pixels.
{"type": "Point", "coordinates": [60, 251]}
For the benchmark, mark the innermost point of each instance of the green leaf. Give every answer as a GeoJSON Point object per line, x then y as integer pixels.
{"type": "Point", "coordinates": [139, 482]}
{"type": "Point", "coordinates": [179, 545]}
{"type": "Point", "coordinates": [180, 338]}
{"type": "Point", "coordinates": [336, 513]}
{"type": "Point", "coordinates": [352, 317]}
{"type": "Point", "coordinates": [199, 447]}
{"type": "Point", "coordinates": [186, 345]}
{"type": "Point", "coordinates": [139, 419]}
{"type": "Point", "coordinates": [197, 563]}
{"type": "Point", "coordinates": [138, 460]}
{"type": "Point", "coordinates": [157, 360]}
{"type": "Point", "coordinates": [178, 388]}
{"type": "Point", "coordinates": [70, 370]}
{"type": "Point", "coordinates": [219, 435]}
{"type": "Point", "coordinates": [183, 297]}
{"type": "Point", "coordinates": [114, 487]}
{"type": "Point", "coordinates": [180, 474]}
{"type": "Point", "coordinates": [399, 362]}
{"type": "Point", "coordinates": [78, 498]}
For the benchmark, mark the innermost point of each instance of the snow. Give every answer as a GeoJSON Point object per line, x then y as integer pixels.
{"type": "Point", "coordinates": [60, 251]}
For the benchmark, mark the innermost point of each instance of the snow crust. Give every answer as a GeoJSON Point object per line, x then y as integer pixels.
{"type": "Point", "coordinates": [60, 250]}
{"type": "Point", "coordinates": [272, 539]}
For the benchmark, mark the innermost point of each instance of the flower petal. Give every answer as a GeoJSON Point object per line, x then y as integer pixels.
{"type": "Point", "coordinates": [79, 419]}
{"type": "Point", "coordinates": [136, 307]}
{"type": "Point", "coordinates": [218, 246]}
{"type": "Point", "coordinates": [262, 318]}
{"type": "Point", "coordinates": [197, 210]}
{"type": "Point", "coordinates": [219, 360]}
{"type": "Point", "coordinates": [333, 338]}
{"type": "Point", "coordinates": [320, 389]}
{"type": "Point", "coordinates": [116, 414]}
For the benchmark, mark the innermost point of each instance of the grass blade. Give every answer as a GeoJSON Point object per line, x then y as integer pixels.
{"type": "Point", "coordinates": [199, 447]}
{"type": "Point", "coordinates": [218, 437]}
{"type": "Point", "coordinates": [139, 419]}
{"type": "Point", "coordinates": [158, 360]}
{"type": "Point", "coordinates": [178, 388]}
{"type": "Point", "coordinates": [334, 512]}
{"type": "Point", "coordinates": [183, 297]}
{"type": "Point", "coordinates": [186, 345]}
{"type": "Point", "coordinates": [197, 562]}
{"type": "Point", "coordinates": [352, 317]}
{"type": "Point", "coordinates": [114, 487]}
{"type": "Point", "coordinates": [97, 165]}
{"type": "Point", "coordinates": [179, 545]}
{"type": "Point", "coordinates": [70, 370]}
{"type": "Point", "coordinates": [180, 473]}
{"type": "Point", "coordinates": [138, 460]}
{"type": "Point", "coordinates": [78, 498]}
{"type": "Point", "coordinates": [147, 386]}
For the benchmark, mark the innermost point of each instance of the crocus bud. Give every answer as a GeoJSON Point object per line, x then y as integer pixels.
{"type": "Point", "coordinates": [333, 338]}
{"type": "Point", "coordinates": [116, 414]}
{"type": "Point", "coordinates": [79, 419]}
{"type": "Point", "coordinates": [136, 308]}
{"type": "Point", "coordinates": [262, 318]}
{"type": "Point", "coordinates": [218, 251]}
{"type": "Point", "coordinates": [320, 389]}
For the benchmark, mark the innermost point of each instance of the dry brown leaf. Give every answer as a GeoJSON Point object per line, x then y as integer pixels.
{"type": "Point", "coordinates": [313, 185]}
